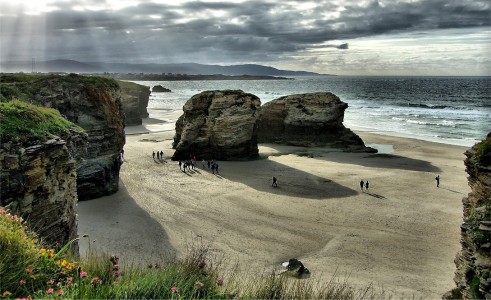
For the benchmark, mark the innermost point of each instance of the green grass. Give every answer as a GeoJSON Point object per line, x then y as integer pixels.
{"type": "Point", "coordinates": [28, 87]}
{"type": "Point", "coordinates": [30, 269]}
{"type": "Point", "coordinates": [20, 121]}
{"type": "Point", "coordinates": [483, 152]}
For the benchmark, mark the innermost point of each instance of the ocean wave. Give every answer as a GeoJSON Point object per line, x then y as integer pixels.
{"type": "Point", "coordinates": [444, 123]}
{"type": "Point", "coordinates": [430, 106]}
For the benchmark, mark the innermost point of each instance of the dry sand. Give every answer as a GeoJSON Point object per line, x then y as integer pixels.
{"type": "Point", "coordinates": [402, 235]}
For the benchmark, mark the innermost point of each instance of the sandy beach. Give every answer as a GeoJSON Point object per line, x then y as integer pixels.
{"type": "Point", "coordinates": [402, 234]}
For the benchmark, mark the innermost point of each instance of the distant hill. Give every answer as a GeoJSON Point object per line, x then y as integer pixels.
{"type": "Point", "coordinates": [68, 66]}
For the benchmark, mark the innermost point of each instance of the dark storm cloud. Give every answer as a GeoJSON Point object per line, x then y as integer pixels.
{"type": "Point", "coordinates": [250, 30]}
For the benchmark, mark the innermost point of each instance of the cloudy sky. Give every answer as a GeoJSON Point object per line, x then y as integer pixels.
{"type": "Point", "coordinates": [344, 37]}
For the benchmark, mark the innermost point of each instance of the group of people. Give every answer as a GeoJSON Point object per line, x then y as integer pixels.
{"type": "Point", "coordinates": [364, 184]}
{"type": "Point", "coordinates": [192, 164]}
{"type": "Point", "coordinates": [213, 165]}
{"type": "Point", "coordinates": [160, 155]}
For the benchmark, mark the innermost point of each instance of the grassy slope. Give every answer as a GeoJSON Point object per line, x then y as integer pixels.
{"type": "Point", "coordinates": [20, 121]}
{"type": "Point", "coordinates": [24, 87]}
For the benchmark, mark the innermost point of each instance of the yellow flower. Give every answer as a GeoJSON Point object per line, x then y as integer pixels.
{"type": "Point", "coordinates": [51, 252]}
{"type": "Point", "coordinates": [42, 252]}
{"type": "Point", "coordinates": [64, 263]}
{"type": "Point", "coordinates": [6, 293]}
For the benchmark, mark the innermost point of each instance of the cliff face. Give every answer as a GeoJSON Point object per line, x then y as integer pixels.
{"type": "Point", "coordinates": [94, 104]}
{"type": "Point", "coordinates": [473, 275]}
{"type": "Point", "coordinates": [38, 174]}
{"type": "Point", "coordinates": [135, 101]}
{"type": "Point", "coordinates": [314, 119]}
{"type": "Point", "coordinates": [218, 124]}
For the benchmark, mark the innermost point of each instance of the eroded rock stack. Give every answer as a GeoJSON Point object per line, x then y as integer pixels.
{"type": "Point", "coordinates": [473, 275]}
{"type": "Point", "coordinates": [93, 103]}
{"type": "Point", "coordinates": [218, 124]}
{"type": "Point", "coordinates": [135, 101]}
{"type": "Point", "coordinates": [313, 119]}
{"type": "Point", "coordinates": [38, 179]}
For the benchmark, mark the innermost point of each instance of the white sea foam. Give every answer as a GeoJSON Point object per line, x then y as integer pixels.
{"type": "Point", "coordinates": [441, 112]}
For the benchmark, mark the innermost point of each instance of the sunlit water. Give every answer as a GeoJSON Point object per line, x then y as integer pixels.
{"type": "Point", "coordinates": [451, 110]}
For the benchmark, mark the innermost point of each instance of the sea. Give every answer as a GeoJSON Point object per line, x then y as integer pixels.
{"type": "Point", "coordinates": [449, 110]}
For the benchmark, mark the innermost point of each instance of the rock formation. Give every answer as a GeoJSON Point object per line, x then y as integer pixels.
{"type": "Point", "coordinates": [93, 103]}
{"type": "Point", "coordinates": [135, 101]}
{"type": "Point", "coordinates": [473, 275]}
{"type": "Point", "coordinates": [218, 124]}
{"type": "Point", "coordinates": [160, 89]}
{"type": "Point", "coordinates": [38, 171]}
{"type": "Point", "coordinates": [314, 119]}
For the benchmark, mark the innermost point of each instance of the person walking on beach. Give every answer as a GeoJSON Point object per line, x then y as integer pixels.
{"type": "Point", "coordinates": [362, 184]}
{"type": "Point", "coordinates": [158, 155]}
{"type": "Point", "coordinates": [180, 164]}
{"type": "Point", "coordinates": [161, 154]}
{"type": "Point", "coordinates": [437, 178]}
{"type": "Point", "coordinates": [366, 186]}
{"type": "Point", "coordinates": [216, 168]}
{"type": "Point", "coordinates": [275, 182]}
{"type": "Point", "coordinates": [153, 154]}
{"type": "Point", "coordinates": [203, 163]}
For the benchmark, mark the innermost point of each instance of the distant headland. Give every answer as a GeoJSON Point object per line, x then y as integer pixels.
{"type": "Point", "coordinates": [187, 77]}
{"type": "Point", "coordinates": [73, 66]}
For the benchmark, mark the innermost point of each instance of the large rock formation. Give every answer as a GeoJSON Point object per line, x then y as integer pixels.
{"type": "Point", "coordinates": [93, 103]}
{"type": "Point", "coordinates": [135, 101]}
{"type": "Point", "coordinates": [218, 124]}
{"type": "Point", "coordinates": [473, 275]}
{"type": "Point", "coordinates": [38, 169]}
{"type": "Point", "coordinates": [314, 119]}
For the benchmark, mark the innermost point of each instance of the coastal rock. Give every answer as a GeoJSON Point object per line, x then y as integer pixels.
{"type": "Point", "coordinates": [473, 274]}
{"type": "Point", "coordinates": [314, 119]}
{"type": "Point", "coordinates": [134, 98]}
{"type": "Point", "coordinates": [38, 181]}
{"type": "Point", "coordinates": [218, 124]}
{"type": "Point", "coordinates": [160, 89]}
{"type": "Point", "coordinates": [93, 103]}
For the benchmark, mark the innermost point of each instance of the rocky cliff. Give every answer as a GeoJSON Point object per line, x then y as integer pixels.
{"type": "Point", "coordinates": [39, 155]}
{"type": "Point", "coordinates": [473, 275]}
{"type": "Point", "coordinates": [218, 124]}
{"type": "Point", "coordinates": [314, 119]}
{"type": "Point", "coordinates": [94, 104]}
{"type": "Point", "coordinates": [135, 101]}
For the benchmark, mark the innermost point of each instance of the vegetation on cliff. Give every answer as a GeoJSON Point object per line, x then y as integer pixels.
{"type": "Point", "coordinates": [473, 262]}
{"type": "Point", "coordinates": [25, 87]}
{"type": "Point", "coordinates": [29, 269]}
{"type": "Point", "coordinates": [20, 121]}
{"type": "Point", "coordinates": [483, 152]}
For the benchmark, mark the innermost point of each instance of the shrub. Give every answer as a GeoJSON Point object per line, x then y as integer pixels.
{"type": "Point", "coordinates": [26, 267]}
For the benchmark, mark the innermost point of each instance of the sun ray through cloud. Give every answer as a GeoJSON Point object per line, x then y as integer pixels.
{"type": "Point", "coordinates": [275, 33]}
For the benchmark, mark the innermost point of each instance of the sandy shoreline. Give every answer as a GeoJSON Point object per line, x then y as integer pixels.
{"type": "Point", "coordinates": [402, 235]}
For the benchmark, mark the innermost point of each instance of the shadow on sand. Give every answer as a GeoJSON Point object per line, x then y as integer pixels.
{"type": "Point", "coordinates": [382, 160]}
{"type": "Point", "coordinates": [376, 195]}
{"type": "Point", "coordinates": [291, 181]}
{"type": "Point", "coordinates": [116, 222]}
